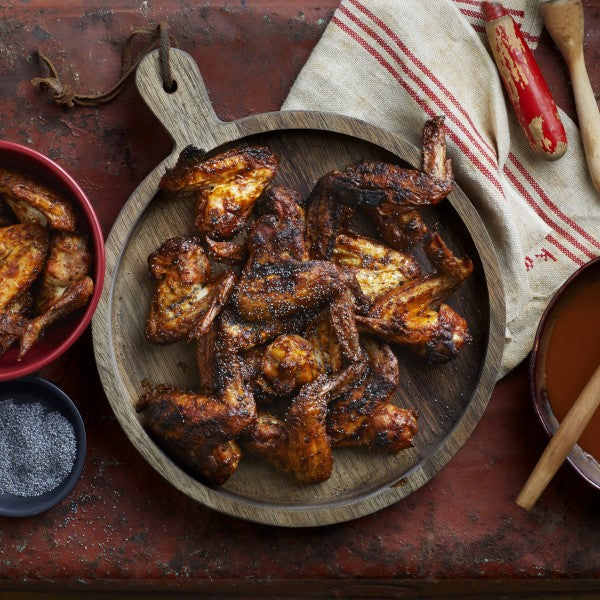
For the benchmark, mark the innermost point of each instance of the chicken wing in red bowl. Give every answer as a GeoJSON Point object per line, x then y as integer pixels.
{"type": "Point", "coordinates": [51, 260]}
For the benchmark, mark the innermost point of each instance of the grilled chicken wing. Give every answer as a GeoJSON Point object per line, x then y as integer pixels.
{"type": "Point", "coordinates": [413, 313]}
{"type": "Point", "coordinates": [200, 429]}
{"type": "Point", "coordinates": [69, 261]}
{"type": "Point", "coordinates": [278, 280]}
{"type": "Point", "coordinates": [377, 268]}
{"type": "Point", "coordinates": [185, 301]}
{"type": "Point", "coordinates": [299, 444]}
{"type": "Point", "coordinates": [33, 202]}
{"type": "Point", "coordinates": [176, 417]}
{"type": "Point", "coordinates": [365, 416]}
{"type": "Point", "coordinates": [73, 297]}
{"type": "Point", "coordinates": [226, 186]}
{"type": "Point", "coordinates": [65, 286]}
{"type": "Point", "coordinates": [23, 250]}
{"type": "Point", "coordinates": [289, 362]}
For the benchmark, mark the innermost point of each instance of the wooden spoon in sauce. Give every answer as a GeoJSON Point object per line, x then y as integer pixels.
{"type": "Point", "coordinates": [562, 442]}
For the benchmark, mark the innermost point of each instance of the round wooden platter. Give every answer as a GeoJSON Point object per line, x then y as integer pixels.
{"type": "Point", "coordinates": [450, 398]}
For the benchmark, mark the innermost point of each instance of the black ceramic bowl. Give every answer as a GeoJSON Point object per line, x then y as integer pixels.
{"type": "Point", "coordinates": [34, 389]}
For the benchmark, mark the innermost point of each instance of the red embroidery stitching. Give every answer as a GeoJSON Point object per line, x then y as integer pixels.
{"type": "Point", "coordinates": [545, 255]}
{"type": "Point", "coordinates": [528, 263]}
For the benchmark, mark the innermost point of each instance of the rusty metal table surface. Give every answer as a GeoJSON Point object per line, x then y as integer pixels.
{"type": "Point", "coordinates": [123, 522]}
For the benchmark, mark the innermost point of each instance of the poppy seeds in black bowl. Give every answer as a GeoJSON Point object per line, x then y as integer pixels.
{"type": "Point", "coordinates": [37, 448]}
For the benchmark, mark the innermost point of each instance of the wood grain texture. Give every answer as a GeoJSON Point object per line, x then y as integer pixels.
{"type": "Point", "coordinates": [450, 398]}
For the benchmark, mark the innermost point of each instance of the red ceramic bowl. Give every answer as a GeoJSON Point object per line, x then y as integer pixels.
{"type": "Point", "coordinates": [63, 333]}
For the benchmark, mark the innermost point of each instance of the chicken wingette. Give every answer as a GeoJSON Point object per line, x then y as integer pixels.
{"type": "Point", "coordinates": [414, 313]}
{"type": "Point", "coordinates": [33, 202]}
{"type": "Point", "coordinates": [377, 268]}
{"type": "Point", "coordinates": [278, 280]}
{"type": "Point", "coordinates": [23, 250]}
{"type": "Point", "coordinates": [226, 186]}
{"type": "Point", "coordinates": [366, 416]}
{"type": "Point", "coordinates": [186, 300]}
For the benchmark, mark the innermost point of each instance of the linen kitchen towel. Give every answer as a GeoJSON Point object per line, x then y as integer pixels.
{"type": "Point", "coordinates": [396, 63]}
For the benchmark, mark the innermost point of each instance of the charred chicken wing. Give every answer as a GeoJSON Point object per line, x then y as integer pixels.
{"type": "Point", "coordinates": [299, 444]}
{"type": "Point", "coordinates": [226, 186]}
{"type": "Point", "coordinates": [365, 416]}
{"type": "Point", "coordinates": [289, 362]}
{"type": "Point", "coordinates": [185, 301]}
{"type": "Point", "coordinates": [33, 202]}
{"type": "Point", "coordinates": [377, 268]}
{"type": "Point", "coordinates": [413, 313]}
{"type": "Point", "coordinates": [176, 417]}
{"type": "Point", "coordinates": [200, 429]}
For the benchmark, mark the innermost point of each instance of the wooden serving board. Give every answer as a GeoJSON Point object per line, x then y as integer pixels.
{"type": "Point", "coordinates": [450, 398]}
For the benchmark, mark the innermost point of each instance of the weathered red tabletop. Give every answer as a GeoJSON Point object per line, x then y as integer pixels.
{"type": "Point", "coordinates": [125, 526]}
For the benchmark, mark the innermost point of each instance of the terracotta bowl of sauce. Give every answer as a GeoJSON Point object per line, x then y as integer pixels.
{"type": "Point", "coordinates": [565, 354]}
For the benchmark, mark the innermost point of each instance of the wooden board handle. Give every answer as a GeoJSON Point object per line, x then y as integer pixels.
{"type": "Point", "coordinates": [186, 113]}
{"type": "Point", "coordinates": [562, 442]}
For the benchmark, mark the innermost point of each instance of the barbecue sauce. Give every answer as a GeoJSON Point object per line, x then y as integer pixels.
{"type": "Point", "coordinates": [574, 353]}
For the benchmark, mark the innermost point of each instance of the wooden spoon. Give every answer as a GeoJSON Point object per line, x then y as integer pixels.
{"type": "Point", "coordinates": [562, 442]}
{"type": "Point", "coordinates": [564, 22]}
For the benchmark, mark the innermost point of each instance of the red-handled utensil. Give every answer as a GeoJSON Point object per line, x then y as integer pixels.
{"type": "Point", "coordinates": [524, 83]}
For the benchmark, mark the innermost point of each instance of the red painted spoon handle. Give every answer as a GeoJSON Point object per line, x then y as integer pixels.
{"type": "Point", "coordinates": [524, 84]}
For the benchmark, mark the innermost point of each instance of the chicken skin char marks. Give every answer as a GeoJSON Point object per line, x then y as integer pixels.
{"type": "Point", "coordinates": [305, 330]}
{"type": "Point", "coordinates": [278, 280]}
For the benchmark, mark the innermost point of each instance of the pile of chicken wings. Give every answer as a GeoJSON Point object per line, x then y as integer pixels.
{"type": "Point", "coordinates": [44, 261]}
{"type": "Point", "coordinates": [293, 338]}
